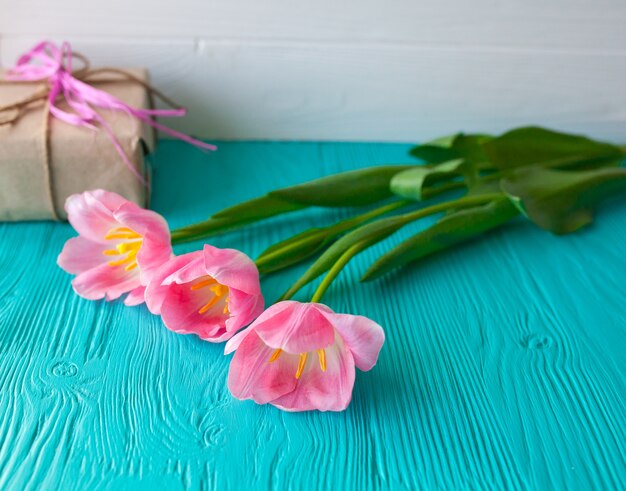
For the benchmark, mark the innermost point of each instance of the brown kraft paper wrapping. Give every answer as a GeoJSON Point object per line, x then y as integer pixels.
{"type": "Point", "coordinates": [79, 158]}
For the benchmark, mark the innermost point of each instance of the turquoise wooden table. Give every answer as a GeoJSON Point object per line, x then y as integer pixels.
{"type": "Point", "coordinates": [504, 366]}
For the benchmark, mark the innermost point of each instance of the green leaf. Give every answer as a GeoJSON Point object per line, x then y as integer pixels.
{"type": "Point", "coordinates": [353, 188]}
{"type": "Point", "coordinates": [444, 141]}
{"type": "Point", "coordinates": [411, 182]}
{"type": "Point", "coordinates": [561, 201]}
{"type": "Point", "coordinates": [450, 230]}
{"type": "Point", "coordinates": [370, 234]}
{"type": "Point", "coordinates": [459, 145]}
{"type": "Point", "coordinates": [470, 147]}
{"type": "Point", "coordinates": [293, 250]}
{"type": "Point", "coordinates": [484, 186]}
{"type": "Point", "coordinates": [539, 146]}
{"type": "Point", "coordinates": [258, 208]}
{"type": "Point", "coordinates": [436, 151]}
{"type": "Point", "coordinates": [203, 229]}
{"type": "Point", "coordinates": [234, 217]}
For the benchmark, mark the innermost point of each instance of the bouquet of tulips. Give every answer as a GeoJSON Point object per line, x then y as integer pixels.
{"type": "Point", "coordinates": [302, 356]}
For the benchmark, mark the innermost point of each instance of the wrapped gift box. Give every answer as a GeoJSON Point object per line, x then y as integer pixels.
{"type": "Point", "coordinates": [43, 162]}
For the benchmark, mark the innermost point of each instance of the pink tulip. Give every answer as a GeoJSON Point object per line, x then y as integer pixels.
{"type": "Point", "coordinates": [301, 356]}
{"type": "Point", "coordinates": [118, 248]}
{"type": "Point", "coordinates": [212, 293]}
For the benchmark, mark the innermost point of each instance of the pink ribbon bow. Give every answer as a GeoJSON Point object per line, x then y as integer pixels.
{"type": "Point", "coordinates": [55, 65]}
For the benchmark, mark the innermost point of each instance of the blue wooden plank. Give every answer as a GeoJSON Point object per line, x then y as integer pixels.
{"type": "Point", "coordinates": [503, 368]}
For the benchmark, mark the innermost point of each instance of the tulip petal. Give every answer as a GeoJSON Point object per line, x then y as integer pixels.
{"type": "Point", "coordinates": [156, 248]}
{"type": "Point", "coordinates": [192, 270]}
{"type": "Point", "coordinates": [295, 327]}
{"type": "Point", "coordinates": [95, 214]}
{"type": "Point", "coordinates": [363, 337]}
{"type": "Point", "coordinates": [252, 376]}
{"type": "Point", "coordinates": [135, 297]}
{"type": "Point", "coordinates": [329, 390]}
{"type": "Point", "coordinates": [105, 281]}
{"type": "Point", "coordinates": [234, 342]}
{"type": "Point", "coordinates": [156, 291]}
{"type": "Point", "coordinates": [243, 308]}
{"type": "Point", "coordinates": [91, 213]}
{"type": "Point", "coordinates": [179, 312]}
{"type": "Point", "coordinates": [80, 254]}
{"type": "Point", "coordinates": [232, 268]}
{"type": "Point", "coordinates": [186, 309]}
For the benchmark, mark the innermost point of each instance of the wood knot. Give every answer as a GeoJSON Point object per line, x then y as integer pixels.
{"type": "Point", "coordinates": [536, 341]}
{"type": "Point", "coordinates": [64, 369]}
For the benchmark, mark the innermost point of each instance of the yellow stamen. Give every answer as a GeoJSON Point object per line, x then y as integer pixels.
{"type": "Point", "coordinates": [208, 305]}
{"type": "Point", "coordinates": [112, 236]}
{"type": "Point", "coordinates": [132, 247]}
{"type": "Point", "coordinates": [225, 311]}
{"type": "Point", "coordinates": [301, 364]}
{"type": "Point", "coordinates": [219, 290]}
{"type": "Point", "coordinates": [321, 354]}
{"type": "Point", "coordinates": [128, 259]}
{"type": "Point", "coordinates": [203, 283]}
{"type": "Point", "coordinates": [117, 233]}
{"type": "Point", "coordinates": [275, 355]}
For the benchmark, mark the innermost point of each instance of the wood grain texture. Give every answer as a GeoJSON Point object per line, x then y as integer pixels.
{"type": "Point", "coordinates": [503, 367]}
{"type": "Point", "coordinates": [355, 70]}
{"type": "Point", "coordinates": [558, 24]}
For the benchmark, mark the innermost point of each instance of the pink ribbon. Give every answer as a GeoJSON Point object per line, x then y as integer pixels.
{"type": "Point", "coordinates": [54, 64]}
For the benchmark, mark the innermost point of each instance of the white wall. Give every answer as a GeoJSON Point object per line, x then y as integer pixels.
{"type": "Point", "coordinates": [398, 70]}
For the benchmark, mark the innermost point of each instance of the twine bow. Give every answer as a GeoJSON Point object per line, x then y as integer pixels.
{"type": "Point", "coordinates": [48, 63]}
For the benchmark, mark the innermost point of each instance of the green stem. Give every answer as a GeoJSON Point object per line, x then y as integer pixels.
{"type": "Point", "coordinates": [334, 230]}
{"type": "Point", "coordinates": [368, 239]}
{"type": "Point", "coordinates": [336, 269]}
{"type": "Point", "coordinates": [457, 203]}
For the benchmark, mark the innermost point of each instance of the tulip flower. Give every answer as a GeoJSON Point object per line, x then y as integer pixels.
{"type": "Point", "coordinates": [212, 293]}
{"type": "Point", "coordinates": [118, 248]}
{"type": "Point", "coordinates": [301, 356]}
